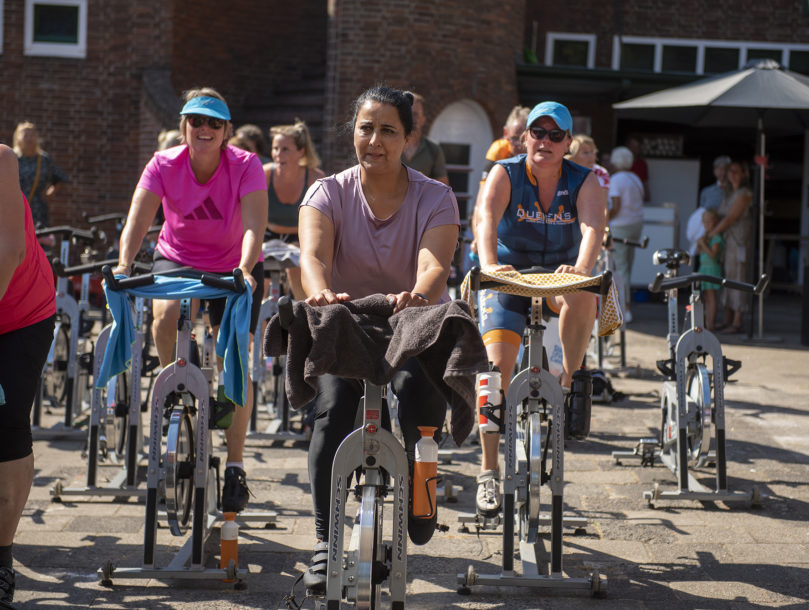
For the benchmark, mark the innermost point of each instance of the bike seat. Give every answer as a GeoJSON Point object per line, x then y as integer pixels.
{"type": "Point", "coordinates": [672, 258]}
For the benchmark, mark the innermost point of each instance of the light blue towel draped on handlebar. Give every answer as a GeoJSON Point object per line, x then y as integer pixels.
{"type": "Point", "coordinates": [232, 343]}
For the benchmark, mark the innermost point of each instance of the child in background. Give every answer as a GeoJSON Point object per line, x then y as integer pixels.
{"type": "Point", "coordinates": [710, 256]}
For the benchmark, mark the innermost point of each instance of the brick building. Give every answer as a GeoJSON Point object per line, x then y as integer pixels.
{"type": "Point", "coordinates": [101, 78]}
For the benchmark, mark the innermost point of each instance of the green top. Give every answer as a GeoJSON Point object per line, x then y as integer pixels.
{"type": "Point", "coordinates": [284, 214]}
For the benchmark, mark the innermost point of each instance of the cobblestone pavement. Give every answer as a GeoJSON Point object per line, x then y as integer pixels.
{"type": "Point", "coordinates": [681, 554]}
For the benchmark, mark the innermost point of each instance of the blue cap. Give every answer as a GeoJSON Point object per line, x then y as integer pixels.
{"type": "Point", "coordinates": [208, 106]}
{"type": "Point", "coordinates": [554, 110]}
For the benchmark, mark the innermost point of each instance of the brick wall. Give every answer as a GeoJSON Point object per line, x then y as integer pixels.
{"type": "Point", "coordinates": [446, 51]}
{"type": "Point", "coordinates": [86, 110]}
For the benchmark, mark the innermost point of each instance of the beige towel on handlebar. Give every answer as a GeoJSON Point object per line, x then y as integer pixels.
{"type": "Point", "coordinates": [364, 339]}
{"type": "Point", "coordinates": [610, 317]}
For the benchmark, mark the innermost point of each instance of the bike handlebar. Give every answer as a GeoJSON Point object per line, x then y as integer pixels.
{"type": "Point", "coordinates": [88, 235]}
{"type": "Point", "coordinates": [60, 270]}
{"type": "Point", "coordinates": [235, 284]}
{"type": "Point", "coordinates": [601, 288]}
{"type": "Point", "coordinates": [661, 282]}
{"type": "Point", "coordinates": [118, 216]}
{"type": "Point", "coordinates": [629, 242]}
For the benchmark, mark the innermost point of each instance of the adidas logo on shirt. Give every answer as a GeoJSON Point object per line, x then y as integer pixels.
{"type": "Point", "coordinates": [205, 211]}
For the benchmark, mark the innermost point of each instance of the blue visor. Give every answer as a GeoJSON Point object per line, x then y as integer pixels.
{"type": "Point", "coordinates": [207, 106]}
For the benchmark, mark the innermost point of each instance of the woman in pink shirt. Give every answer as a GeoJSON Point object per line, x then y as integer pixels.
{"type": "Point", "coordinates": [214, 200]}
{"type": "Point", "coordinates": [27, 309]}
{"type": "Point", "coordinates": [378, 227]}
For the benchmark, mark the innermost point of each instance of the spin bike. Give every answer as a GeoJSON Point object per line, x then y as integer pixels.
{"type": "Point", "coordinates": [692, 400]}
{"type": "Point", "coordinates": [183, 473]}
{"type": "Point", "coordinates": [115, 432]}
{"type": "Point", "coordinates": [537, 421]}
{"type": "Point", "coordinates": [600, 348]}
{"type": "Point", "coordinates": [69, 361]}
{"type": "Point", "coordinates": [355, 575]}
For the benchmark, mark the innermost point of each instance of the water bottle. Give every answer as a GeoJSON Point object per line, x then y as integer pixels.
{"type": "Point", "coordinates": [489, 400]}
{"type": "Point", "coordinates": [229, 543]}
{"type": "Point", "coordinates": [425, 470]}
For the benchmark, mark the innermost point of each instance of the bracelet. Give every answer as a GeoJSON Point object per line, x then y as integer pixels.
{"type": "Point", "coordinates": [125, 265]}
{"type": "Point", "coordinates": [418, 294]}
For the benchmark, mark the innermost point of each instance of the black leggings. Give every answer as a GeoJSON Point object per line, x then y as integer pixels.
{"type": "Point", "coordinates": [22, 355]}
{"type": "Point", "coordinates": [336, 410]}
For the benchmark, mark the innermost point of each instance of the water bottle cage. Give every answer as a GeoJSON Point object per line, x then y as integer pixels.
{"type": "Point", "coordinates": [578, 404]}
{"type": "Point", "coordinates": [494, 413]}
{"type": "Point", "coordinates": [433, 507]}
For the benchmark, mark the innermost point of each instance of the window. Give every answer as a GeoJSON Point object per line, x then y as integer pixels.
{"type": "Point", "coordinates": [720, 59]}
{"type": "Point", "coordinates": [638, 57]}
{"type": "Point", "coordinates": [699, 56]}
{"type": "Point", "coordinates": [577, 50]}
{"type": "Point", "coordinates": [799, 61]}
{"type": "Point", "coordinates": [679, 58]}
{"type": "Point", "coordinates": [56, 28]}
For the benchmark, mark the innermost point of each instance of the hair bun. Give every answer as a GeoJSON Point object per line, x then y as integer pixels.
{"type": "Point", "coordinates": [409, 97]}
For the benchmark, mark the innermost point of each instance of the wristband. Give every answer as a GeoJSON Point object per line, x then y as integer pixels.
{"type": "Point", "coordinates": [418, 294]}
{"type": "Point", "coordinates": [125, 265]}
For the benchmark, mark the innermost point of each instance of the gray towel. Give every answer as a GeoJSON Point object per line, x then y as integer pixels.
{"type": "Point", "coordinates": [364, 339]}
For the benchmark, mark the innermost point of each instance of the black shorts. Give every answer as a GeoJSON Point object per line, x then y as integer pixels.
{"type": "Point", "coordinates": [22, 356]}
{"type": "Point", "coordinates": [216, 307]}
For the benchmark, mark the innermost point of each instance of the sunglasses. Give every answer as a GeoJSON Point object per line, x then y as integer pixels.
{"type": "Point", "coordinates": [198, 120]}
{"type": "Point", "coordinates": [555, 135]}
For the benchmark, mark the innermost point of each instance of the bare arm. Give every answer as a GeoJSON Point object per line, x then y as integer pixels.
{"type": "Point", "coordinates": [590, 205]}
{"type": "Point", "coordinates": [12, 218]}
{"type": "Point", "coordinates": [142, 211]}
{"type": "Point", "coordinates": [616, 207]}
{"type": "Point", "coordinates": [739, 207]}
{"type": "Point", "coordinates": [316, 235]}
{"type": "Point", "coordinates": [254, 218]}
{"type": "Point", "coordinates": [434, 260]}
{"type": "Point", "coordinates": [490, 209]}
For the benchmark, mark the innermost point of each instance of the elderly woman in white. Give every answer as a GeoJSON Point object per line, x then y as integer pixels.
{"type": "Point", "coordinates": [625, 219]}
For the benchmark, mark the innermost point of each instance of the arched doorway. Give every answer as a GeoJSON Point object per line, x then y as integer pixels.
{"type": "Point", "coordinates": [465, 134]}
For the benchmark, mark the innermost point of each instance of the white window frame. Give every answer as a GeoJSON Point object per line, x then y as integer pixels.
{"type": "Point", "coordinates": [54, 49]}
{"type": "Point", "coordinates": [552, 37]}
{"type": "Point", "coordinates": [742, 46]}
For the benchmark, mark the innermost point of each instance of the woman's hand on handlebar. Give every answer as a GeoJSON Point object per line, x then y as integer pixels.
{"type": "Point", "coordinates": [249, 280]}
{"type": "Point", "coordinates": [122, 270]}
{"type": "Point", "coordinates": [571, 269]}
{"type": "Point", "coordinates": [496, 267]}
{"type": "Point", "coordinates": [327, 297]}
{"type": "Point", "coordinates": [406, 299]}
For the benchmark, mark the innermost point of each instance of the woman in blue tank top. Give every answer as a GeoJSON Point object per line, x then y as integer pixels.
{"type": "Point", "coordinates": [536, 209]}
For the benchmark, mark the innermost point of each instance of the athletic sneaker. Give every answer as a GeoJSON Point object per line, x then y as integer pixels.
{"type": "Point", "coordinates": [7, 580]}
{"type": "Point", "coordinates": [314, 579]}
{"type": "Point", "coordinates": [235, 493]}
{"type": "Point", "coordinates": [488, 497]}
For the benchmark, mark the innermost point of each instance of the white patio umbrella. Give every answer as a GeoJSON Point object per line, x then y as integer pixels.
{"type": "Point", "coordinates": [761, 94]}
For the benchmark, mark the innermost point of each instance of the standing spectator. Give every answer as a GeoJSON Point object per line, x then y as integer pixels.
{"type": "Point", "coordinates": [27, 309]}
{"type": "Point", "coordinates": [168, 138]}
{"type": "Point", "coordinates": [40, 178]}
{"type": "Point", "coordinates": [625, 220]}
{"type": "Point", "coordinates": [293, 170]}
{"type": "Point", "coordinates": [736, 226]}
{"type": "Point", "coordinates": [710, 253]}
{"type": "Point", "coordinates": [639, 166]}
{"type": "Point", "coordinates": [584, 152]}
{"type": "Point", "coordinates": [710, 198]}
{"type": "Point", "coordinates": [421, 153]}
{"type": "Point", "coordinates": [252, 133]}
